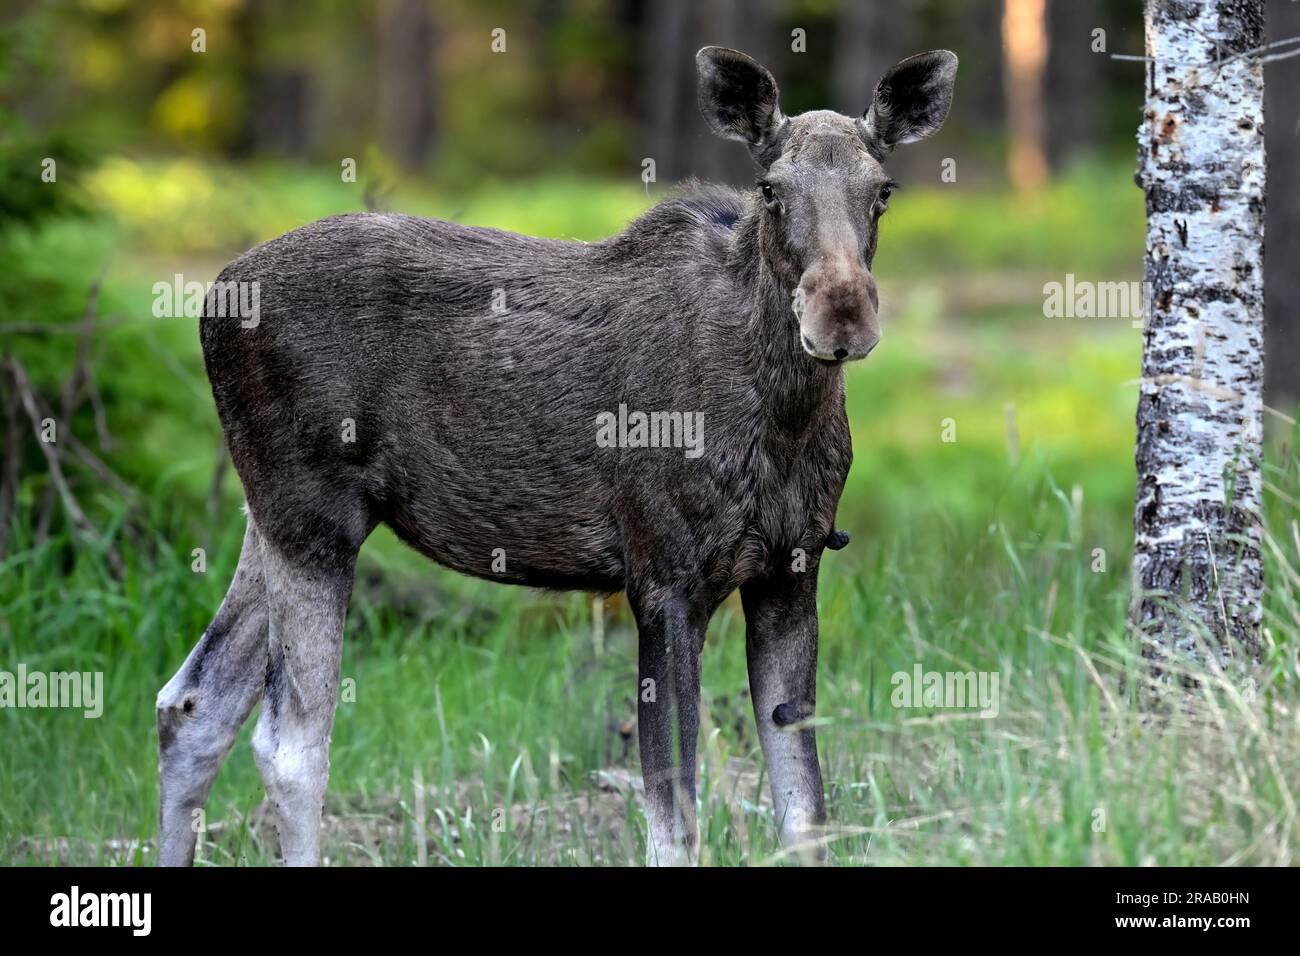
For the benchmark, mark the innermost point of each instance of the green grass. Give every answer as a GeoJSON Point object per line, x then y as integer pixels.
{"type": "Point", "coordinates": [501, 702]}
{"type": "Point", "coordinates": [973, 554]}
{"type": "Point", "coordinates": [1088, 222]}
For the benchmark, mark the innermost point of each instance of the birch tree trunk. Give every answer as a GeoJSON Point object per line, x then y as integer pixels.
{"type": "Point", "coordinates": [1198, 578]}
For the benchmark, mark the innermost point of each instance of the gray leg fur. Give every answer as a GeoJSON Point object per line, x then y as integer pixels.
{"type": "Point", "coordinates": [201, 709]}
{"type": "Point", "coordinates": [292, 738]}
{"type": "Point", "coordinates": [781, 645]}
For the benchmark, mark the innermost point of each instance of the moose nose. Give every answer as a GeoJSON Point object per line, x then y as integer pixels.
{"type": "Point", "coordinates": [840, 353]}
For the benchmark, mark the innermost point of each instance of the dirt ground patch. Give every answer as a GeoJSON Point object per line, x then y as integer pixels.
{"type": "Point", "coordinates": [601, 825]}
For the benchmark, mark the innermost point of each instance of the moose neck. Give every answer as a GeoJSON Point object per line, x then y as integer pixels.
{"type": "Point", "coordinates": [793, 386]}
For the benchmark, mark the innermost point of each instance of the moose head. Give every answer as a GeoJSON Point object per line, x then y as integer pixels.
{"type": "Point", "coordinates": [822, 185]}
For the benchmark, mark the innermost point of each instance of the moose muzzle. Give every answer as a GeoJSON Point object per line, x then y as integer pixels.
{"type": "Point", "coordinates": [837, 303]}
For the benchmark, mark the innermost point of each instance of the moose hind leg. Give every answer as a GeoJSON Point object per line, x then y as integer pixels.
{"type": "Point", "coordinates": [201, 709]}
{"type": "Point", "coordinates": [308, 604]}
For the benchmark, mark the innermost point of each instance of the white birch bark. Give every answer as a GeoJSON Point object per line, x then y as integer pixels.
{"type": "Point", "coordinates": [1196, 567]}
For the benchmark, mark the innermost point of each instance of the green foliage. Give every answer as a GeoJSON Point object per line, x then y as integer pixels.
{"type": "Point", "coordinates": [989, 503]}
{"type": "Point", "coordinates": [979, 553]}
{"type": "Point", "coordinates": [1088, 221]}
{"type": "Point", "coordinates": [1067, 752]}
{"type": "Point", "coordinates": [26, 198]}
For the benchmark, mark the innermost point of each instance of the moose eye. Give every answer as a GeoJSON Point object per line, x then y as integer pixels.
{"type": "Point", "coordinates": [769, 194]}
{"type": "Point", "coordinates": [882, 200]}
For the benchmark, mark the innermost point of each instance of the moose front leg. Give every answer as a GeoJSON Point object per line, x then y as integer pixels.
{"type": "Point", "coordinates": [781, 646]}
{"type": "Point", "coordinates": [670, 638]}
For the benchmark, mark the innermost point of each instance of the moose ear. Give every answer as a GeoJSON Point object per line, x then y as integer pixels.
{"type": "Point", "coordinates": [738, 97]}
{"type": "Point", "coordinates": [911, 100]}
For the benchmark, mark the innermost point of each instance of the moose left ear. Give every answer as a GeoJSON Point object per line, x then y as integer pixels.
{"type": "Point", "coordinates": [911, 100]}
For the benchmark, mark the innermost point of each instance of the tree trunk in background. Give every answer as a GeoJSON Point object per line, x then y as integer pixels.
{"type": "Point", "coordinates": [666, 59]}
{"type": "Point", "coordinates": [745, 25]}
{"type": "Point", "coordinates": [983, 106]}
{"type": "Point", "coordinates": [1281, 272]}
{"type": "Point", "coordinates": [869, 39]}
{"type": "Point", "coordinates": [405, 90]}
{"type": "Point", "coordinates": [276, 113]}
{"type": "Point", "coordinates": [1074, 78]}
{"type": "Point", "coordinates": [675, 135]}
{"type": "Point", "coordinates": [1196, 563]}
{"type": "Point", "coordinates": [1024, 49]}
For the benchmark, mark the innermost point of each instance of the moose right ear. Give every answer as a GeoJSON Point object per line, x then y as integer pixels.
{"type": "Point", "coordinates": [738, 98]}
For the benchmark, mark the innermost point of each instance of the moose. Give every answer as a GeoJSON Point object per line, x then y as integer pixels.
{"type": "Point", "coordinates": [446, 380]}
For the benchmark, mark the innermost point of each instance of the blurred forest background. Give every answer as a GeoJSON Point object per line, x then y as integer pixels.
{"type": "Point", "coordinates": [170, 159]}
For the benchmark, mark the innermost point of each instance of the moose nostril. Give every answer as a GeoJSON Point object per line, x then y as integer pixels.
{"type": "Point", "coordinates": [840, 353]}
